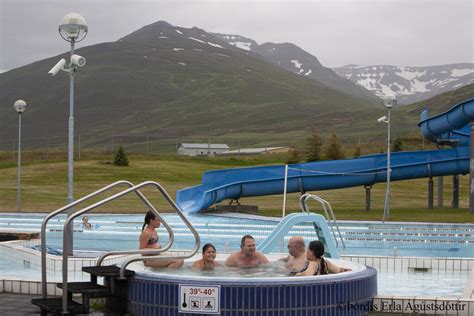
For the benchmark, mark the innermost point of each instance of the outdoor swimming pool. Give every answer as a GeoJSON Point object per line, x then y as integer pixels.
{"type": "Point", "coordinates": [389, 283]}
{"type": "Point", "coordinates": [120, 232]}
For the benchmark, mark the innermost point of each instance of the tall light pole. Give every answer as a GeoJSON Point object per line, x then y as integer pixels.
{"type": "Point", "coordinates": [73, 29]}
{"type": "Point", "coordinates": [389, 102]}
{"type": "Point", "coordinates": [20, 107]}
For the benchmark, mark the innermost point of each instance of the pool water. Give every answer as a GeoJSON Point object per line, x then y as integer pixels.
{"type": "Point", "coordinates": [121, 232]}
{"type": "Point", "coordinates": [431, 283]}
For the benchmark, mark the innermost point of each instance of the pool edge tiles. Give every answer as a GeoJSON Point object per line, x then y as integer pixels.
{"type": "Point", "coordinates": [340, 294]}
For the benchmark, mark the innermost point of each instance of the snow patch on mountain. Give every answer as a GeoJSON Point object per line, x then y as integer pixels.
{"type": "Point", "coordinates": [296, 63]}
{"type": "Point", "coordinates": [409, 84]}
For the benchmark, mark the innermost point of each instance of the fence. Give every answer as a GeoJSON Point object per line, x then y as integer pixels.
{"type": "Point", "coordinates": [54, 147]}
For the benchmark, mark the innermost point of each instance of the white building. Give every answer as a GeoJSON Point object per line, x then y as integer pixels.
{"type": "Point", "coordinates": [196, 149]}
{"type": "Point", "coordinates": [255, 151]}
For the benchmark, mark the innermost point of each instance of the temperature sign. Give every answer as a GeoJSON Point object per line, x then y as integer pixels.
{"type": "Point", "coordinates": [199, 299]}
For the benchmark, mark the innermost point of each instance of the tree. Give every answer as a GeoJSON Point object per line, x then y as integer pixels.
{"type": "Point", "coordinates": [397, 144]}
{"type": "Point", "coordinates": [120, 158]}
{"type": "Point", "coordinates": [333, 150]}
{"type": "Point", "coordinates": [357, 152]}
{"type": "Point", "coordinates": [293, 155]}
{"type": "Point", "coordinates": [313, 147]}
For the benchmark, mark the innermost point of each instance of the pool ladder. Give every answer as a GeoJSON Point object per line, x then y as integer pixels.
{"type": "Point", "coordinates": [330, 217]}
{"type": "Point", "coordinates": [114, 276]}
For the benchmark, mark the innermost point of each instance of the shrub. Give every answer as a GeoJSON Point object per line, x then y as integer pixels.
{"type": "Point", "coordinates": [293, 155]}
{"type": "Point", "coordinates": [334, 149]}
{"type": "Point", "coordinates": [313, 147]}
{"type": "Point", "coordinates": [120, 158]}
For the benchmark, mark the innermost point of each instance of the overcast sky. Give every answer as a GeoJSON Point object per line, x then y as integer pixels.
{"type": "Point", "coordinates": [337, 32]}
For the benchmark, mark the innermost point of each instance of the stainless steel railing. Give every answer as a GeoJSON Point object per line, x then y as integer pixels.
{"type": "Point", "coordinates": [143, 251]}
{"type": "Point", "coordinates": [59, 211]}
{"type": "Point", "coordinates": [331, 218]}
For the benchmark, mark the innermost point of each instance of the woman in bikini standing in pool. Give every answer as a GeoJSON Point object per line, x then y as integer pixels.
{"type": "Point", "coordinates": [149, 240]}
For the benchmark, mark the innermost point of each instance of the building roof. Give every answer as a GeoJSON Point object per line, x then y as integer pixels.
{"type": "Point", "coordinates": [250, 150]}
{"type": "Point", "coordinates": [203, 146]}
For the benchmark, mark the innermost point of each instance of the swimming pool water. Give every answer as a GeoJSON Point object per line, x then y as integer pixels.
{"type": "Point", "coordinates": [121, 232]}
{"type": "Point", "coordinates": [431, 283]}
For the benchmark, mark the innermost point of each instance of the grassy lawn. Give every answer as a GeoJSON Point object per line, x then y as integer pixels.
{"type": "Point", "coordinates": [44, 188]}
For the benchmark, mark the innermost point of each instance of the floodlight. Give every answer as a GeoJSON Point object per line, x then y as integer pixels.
{"type": "Point", "coordinates": [20, 106]}
{"type": "Point", "coordinates": [389, 101]}
{"type": "Point", "coordinates": [73, 27]}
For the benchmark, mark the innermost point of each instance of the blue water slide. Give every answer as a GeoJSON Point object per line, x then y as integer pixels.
{"type": "Point", "coordinates": [450, 127]}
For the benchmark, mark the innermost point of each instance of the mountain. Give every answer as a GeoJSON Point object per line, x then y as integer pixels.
{"type": "Point", "coordinates": [410, 84]}
{"type": "Point", "coordinates": [296, 60]}
{"type": "Point", "coordinates": [175, 82]}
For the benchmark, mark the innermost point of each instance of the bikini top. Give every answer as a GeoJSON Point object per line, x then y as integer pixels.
{"type": "Point", "coordinates": [152, 240]}
{"type": "Point", "coordinates": [319, 270]}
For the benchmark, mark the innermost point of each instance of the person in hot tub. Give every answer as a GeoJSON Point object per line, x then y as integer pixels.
{"type": "Point", "coordinates": [296, 260]}
{"type": "Point", "coordinates": [316, 263]}
{"type": "Point", "coordinates": [248, 256]}
{"type": "Point", "coordinates": [208, 261]}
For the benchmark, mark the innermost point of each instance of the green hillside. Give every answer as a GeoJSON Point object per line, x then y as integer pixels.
{"type": "Point", "coordinates": [184, 84]}
{"type": "Point", "coordinates": [175, 82]}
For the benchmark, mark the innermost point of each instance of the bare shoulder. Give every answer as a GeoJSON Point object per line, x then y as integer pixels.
{"type": "Point", "coordinates": [262, 258]}
{"type": "Point", "coordinates": [231, 260]}
{"type": "Point", "coordinates": [198, 264]}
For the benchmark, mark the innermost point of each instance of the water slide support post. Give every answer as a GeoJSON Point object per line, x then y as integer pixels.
{"type": "Point", "coordinates": [455, 201]}
{"type": "Point", "coordinates": [430, 193]}
{"type": "Point", "coordinates": [440, 191]}
{"type": "Point", "coordinates": [367, 197]}
{"type": "Point", "coordinates": [471, 172]}
{"type": "Point", "coordinates": [284, 191]}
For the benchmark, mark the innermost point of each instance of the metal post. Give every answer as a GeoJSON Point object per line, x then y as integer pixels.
{"type": "Point", "coordinates": [147, 147]}
{"type": "Point", "coordinates": [386, 211]}
{"type": "Point", "coordinates": [112, 147]}
{"type": "Point", "coordinates": [284, 191]}
{"type": "Point", "coordinates": [209, 147]}
{"type": "Point", "coordinates": [430, 193]}
{"type": "Point", "coordinates": [440, 191]}
{"type": "Point", "coordinates": [79, 147]}
{"type": "Point", "coordinates": [471, 172]}
{"type": "Point", "coordinates": [19, 164]}
{"type": "Point", "coordinates": [367, 197]}
{"type": "Point", "coordinates": [70, 152]}
{"type": "Point", "coordinates": [47, 148]}
{"type": "Point", "coordinates": [238, 155]}
{"type": "Point", "coordinates": [176, 146]}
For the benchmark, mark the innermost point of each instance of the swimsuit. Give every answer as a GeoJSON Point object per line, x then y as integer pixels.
{"type": "Point", "coordinates": [152, 241]}
{"type": "Point", "coordinates": [319, 271]}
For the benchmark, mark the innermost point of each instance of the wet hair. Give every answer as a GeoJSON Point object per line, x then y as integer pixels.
{"type": "Point", "coordinates": [148, 217]}
{"type": "Point", "coordinates": [207, 246]}
{"type": "Point", "coordinates": [317, 248]}
{"type": "Point", "coordinates": [85, 217]}
{"type": "Point", "coordinates": [242, 241]}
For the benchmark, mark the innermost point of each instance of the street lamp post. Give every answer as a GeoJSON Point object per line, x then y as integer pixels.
{"type": "Point", "coordinates": [20, 107]}
{"type": "Point", "coordinates": [389, 102]}
{"type": "Point", "coordinates": [73, 29]}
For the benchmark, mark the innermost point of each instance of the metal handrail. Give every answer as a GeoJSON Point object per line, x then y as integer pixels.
{"type": "Point", "coordinates": [58, 211]}
{"type": "Point", "coordinates": [106, 200]}
{"type": "Point", "coordinates": [304, 207]}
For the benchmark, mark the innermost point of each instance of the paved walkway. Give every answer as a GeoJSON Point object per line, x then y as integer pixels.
{"type": "Point", "coordinates": [20, 305]}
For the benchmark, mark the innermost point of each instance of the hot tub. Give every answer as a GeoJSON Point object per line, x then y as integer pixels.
{"type": "Point", "coordinates": [172, 293]}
